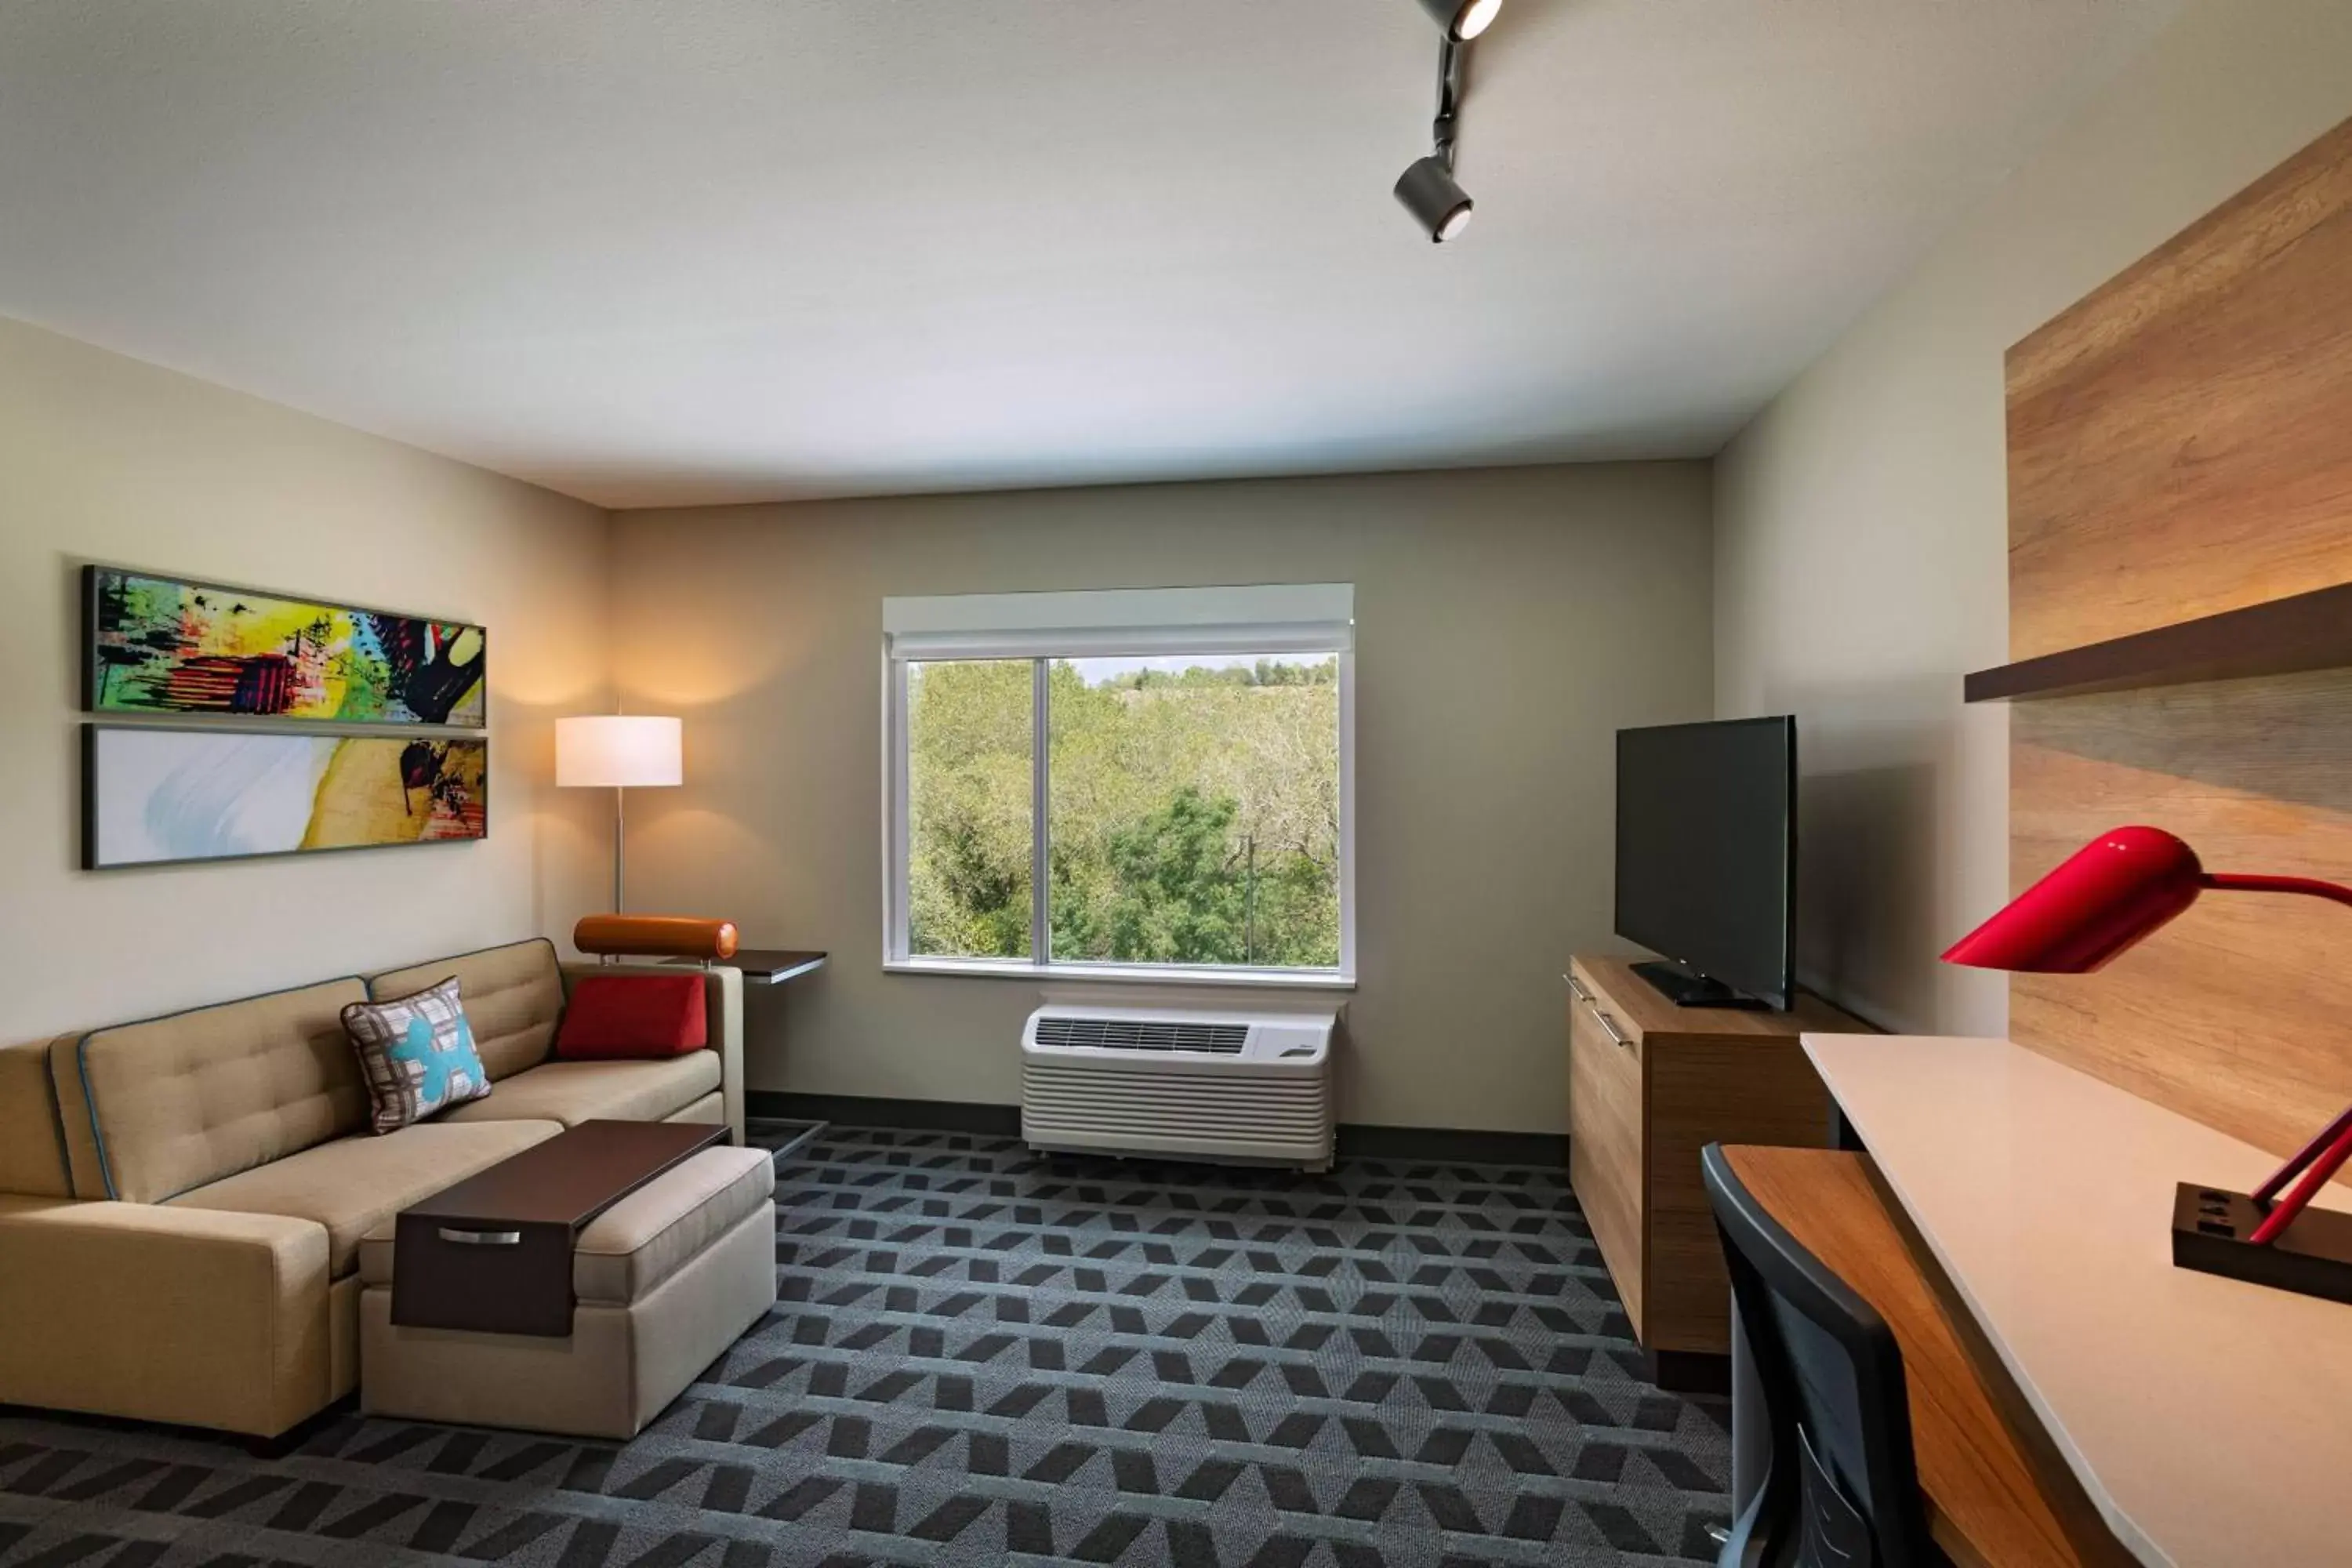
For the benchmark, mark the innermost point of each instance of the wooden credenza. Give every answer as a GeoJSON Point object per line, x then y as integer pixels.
{"type": "Point", "coordinates": [1650, 1085]}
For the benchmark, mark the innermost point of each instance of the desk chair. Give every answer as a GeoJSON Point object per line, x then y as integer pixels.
{"type": "Point", "coordinates": [1841, 1490]}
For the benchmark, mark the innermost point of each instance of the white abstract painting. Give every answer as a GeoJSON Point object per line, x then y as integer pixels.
{"type": "Point", "coordinates": [168, 795]}
{"type": "Point", "coordinates": [156, 796]}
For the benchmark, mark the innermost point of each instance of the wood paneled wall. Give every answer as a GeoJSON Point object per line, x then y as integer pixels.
{"type": "Point", "coordinates": [2180, 444]}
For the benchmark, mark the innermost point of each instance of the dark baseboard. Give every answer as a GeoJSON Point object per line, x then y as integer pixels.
{"type": "Point", "coordinates": [1465, 1145]}
{"type": "Point", "coordinates": [868, 1111]}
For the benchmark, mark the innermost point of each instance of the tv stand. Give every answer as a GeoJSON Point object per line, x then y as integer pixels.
{"type": "Point", "coordinates": [1649, 1086]}
{"type": "Point", "coordinates": [1684, 989]}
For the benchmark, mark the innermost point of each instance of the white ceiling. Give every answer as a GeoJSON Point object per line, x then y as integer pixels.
{"type": "Point", "coordinates": [657, 252]}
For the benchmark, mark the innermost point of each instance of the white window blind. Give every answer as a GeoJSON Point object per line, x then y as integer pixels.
{"type": "Point", "coordinates": [1290, 617]}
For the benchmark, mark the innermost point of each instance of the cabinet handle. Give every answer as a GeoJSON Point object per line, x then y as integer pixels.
{"type": "Point", "coordinates": [482, 1237]}
{"type": "Point", "coordinates": [1608, 1025]}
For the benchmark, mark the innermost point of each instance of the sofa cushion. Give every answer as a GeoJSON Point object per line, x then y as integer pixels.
{"type": "Point", "coordinates": [514, 999]}
{"type": "Point", "coordinates": [352, 1183]}
{"type": "Point", "coordinates": [417, 1054]}
{"type": "Point", "coordinates": [659, 1229]}
{"type": "Point", "coordinates": [32, 1136]}
{"type": "Point", "coordinates": [710, 1110]}
{"type": "Point", "coordinates": [158, 1107]}
{"type": "Point", "coordinates": [573, 1092]}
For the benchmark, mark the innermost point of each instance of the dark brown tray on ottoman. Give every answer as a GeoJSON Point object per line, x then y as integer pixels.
{"type": "Point", "coordinates": [493, 1254]}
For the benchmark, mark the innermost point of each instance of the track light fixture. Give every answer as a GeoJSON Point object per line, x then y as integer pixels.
{"type": "Point", "coordinates": [1427, 188]}
{"type": "Point", "coordinates": [1429, 192]}
{"type": "Point", "coordinates": [1463, 19]}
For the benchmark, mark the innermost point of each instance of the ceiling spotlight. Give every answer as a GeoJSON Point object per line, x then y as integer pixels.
{"type": "Point", "coordinates": [1428, 188]}
{"type": "Point", "coordinates": [1429, 192]}
{"type": "Point", "coordinates": [1463, 19]}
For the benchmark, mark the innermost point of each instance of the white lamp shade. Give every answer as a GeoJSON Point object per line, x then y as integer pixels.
{"type": "Point", "coordinates": [628, 751]}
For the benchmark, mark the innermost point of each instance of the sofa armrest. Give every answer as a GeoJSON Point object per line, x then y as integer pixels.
{"type": "Point", "coordinates": [723, 989]}
{"type": "Point", "coordinates": [722, 998]}
{"type": "Point", "coordinates": [199, 1316]}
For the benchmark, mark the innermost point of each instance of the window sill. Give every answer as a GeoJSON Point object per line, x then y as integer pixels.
{"type": "Point", "coordinates": [1125, 974]}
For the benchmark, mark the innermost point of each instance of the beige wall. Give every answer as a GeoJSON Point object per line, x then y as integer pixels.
{"type": "Point", "coordinates": [106, 459]}
{"type": "Point", "coordinates": [1861, 519]}
{"type": "Point", "coordinates": [1510, 621]}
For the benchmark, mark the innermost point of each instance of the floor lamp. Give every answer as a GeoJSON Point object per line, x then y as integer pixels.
{"type": "Point", "coordinates": [620, 753]}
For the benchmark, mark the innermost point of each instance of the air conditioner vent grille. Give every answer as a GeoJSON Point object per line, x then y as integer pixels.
{"type": "Point", "coordinates": [1252, 1088]}
{"type": "Point", "coordinates": [1141, 1035]}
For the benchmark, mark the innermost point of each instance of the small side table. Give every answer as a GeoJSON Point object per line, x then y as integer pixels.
{"type": "Point", "coordinates": [773, 966]}
{"type": "Point", "coordinates": [766, 966]}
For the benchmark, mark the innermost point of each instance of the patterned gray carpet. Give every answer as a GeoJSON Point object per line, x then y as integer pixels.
{"type": "Point", "coordinates": [986, 1356]}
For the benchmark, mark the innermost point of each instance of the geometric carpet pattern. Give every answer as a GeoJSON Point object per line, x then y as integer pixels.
{"type": "Point", "coordinates": [984, 1356]}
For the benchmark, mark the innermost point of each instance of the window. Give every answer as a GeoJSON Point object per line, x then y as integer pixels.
{"type": "Point", "coordinates": [1147, 784]}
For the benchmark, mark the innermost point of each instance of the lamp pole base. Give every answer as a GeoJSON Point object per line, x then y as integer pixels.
{"type": "Point", "coordinates": [2313, 1257]}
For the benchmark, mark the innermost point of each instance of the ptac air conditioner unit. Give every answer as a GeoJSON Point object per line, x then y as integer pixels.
{"type": "Point", "coordinates": [1187, 1083]}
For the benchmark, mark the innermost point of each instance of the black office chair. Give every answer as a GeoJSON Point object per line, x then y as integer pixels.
{"type": "Point", "coordinates": [1842, 1489]}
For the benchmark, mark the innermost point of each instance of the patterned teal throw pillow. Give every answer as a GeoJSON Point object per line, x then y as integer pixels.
{"type": "Point", "coordinates": [417, 1054]}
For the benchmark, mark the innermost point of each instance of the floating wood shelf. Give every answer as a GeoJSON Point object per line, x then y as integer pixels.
{"type": "Point", "coordinates": [2308, 631]}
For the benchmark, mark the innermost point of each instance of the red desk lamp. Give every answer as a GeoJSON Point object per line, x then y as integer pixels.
{"type": "Point", "coordinates": [2108, 896]}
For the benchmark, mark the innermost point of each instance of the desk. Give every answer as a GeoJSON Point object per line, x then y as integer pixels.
{"type": "Point", "coordinates": [2208, 1421]}
{"type": "Point", "coordinates": [1986, 1507]}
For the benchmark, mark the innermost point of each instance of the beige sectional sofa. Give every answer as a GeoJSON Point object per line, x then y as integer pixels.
{"type": "Point", "coordinates": [182, 1199]}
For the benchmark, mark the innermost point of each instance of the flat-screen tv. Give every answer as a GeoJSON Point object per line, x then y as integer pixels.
{"type": "Point", "coordinates": [1706, 857]}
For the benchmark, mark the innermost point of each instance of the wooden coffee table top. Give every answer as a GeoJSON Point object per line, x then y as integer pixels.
{"type": "Point", "coordinates": [573, 1178]}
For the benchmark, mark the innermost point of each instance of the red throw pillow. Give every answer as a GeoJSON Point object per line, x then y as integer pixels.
{"type": "Point", "coordinates": [626, 1016]}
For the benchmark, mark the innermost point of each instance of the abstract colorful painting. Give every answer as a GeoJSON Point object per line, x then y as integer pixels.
{"type": "Point", "coordinates": [157, 645]}
{"type": "Point", "coordinates": [153, 796]}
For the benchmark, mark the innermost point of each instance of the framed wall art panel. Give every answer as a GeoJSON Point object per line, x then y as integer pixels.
{"type": "Point", "coordinates": [153, 796]}
{"type": "Point", "coordinates": [165, 644]}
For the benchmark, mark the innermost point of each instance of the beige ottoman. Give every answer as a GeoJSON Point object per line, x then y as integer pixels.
{"type": "Point", "coordinates": [664, 1280]}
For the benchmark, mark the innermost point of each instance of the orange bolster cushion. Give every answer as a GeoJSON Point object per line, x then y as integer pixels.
{"type": "Point", "coordinates": [657, 936]}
